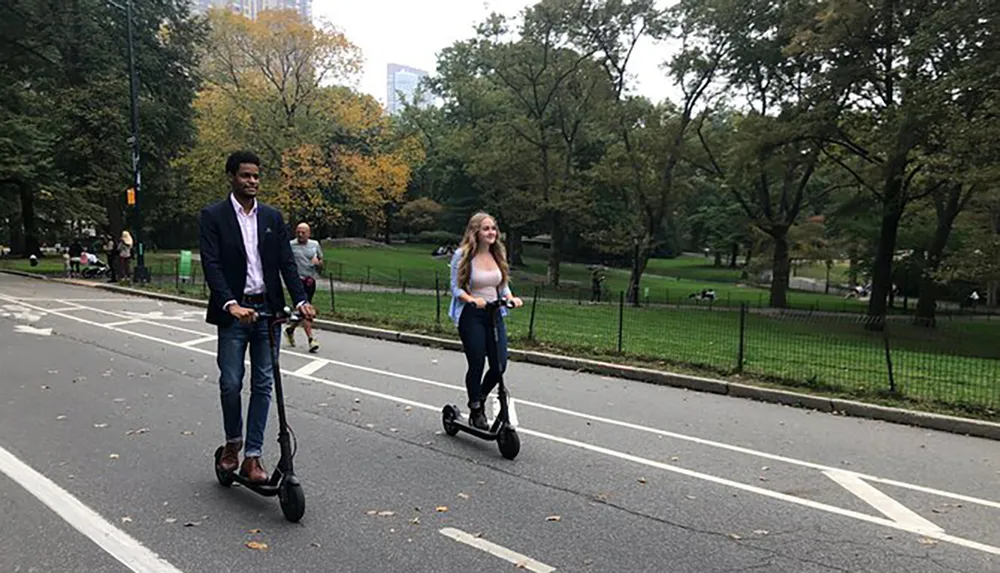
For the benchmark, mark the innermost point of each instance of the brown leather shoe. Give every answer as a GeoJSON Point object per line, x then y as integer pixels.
{"type": "Point", "coordinates": [230, 459]}
{"type": "Point", "coordinates": [253, 470]}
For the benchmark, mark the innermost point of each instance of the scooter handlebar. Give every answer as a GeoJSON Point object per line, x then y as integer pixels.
{"type": "Point", "coordinates": [284, 315]}
{"type": "Point", "coordinates": [493, 305]}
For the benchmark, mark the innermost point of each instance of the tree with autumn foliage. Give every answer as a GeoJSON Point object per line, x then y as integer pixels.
{"type": "Point", "coordinates": [329, 154]}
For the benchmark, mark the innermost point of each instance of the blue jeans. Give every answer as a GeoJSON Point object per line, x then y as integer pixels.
{"type": "Point", "coordinates": [478, 344]}
{"type": "Point", "coordinates": [233, 342]}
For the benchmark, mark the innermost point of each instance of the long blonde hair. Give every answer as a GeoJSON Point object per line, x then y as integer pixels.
{"type": "Point", "coordinates": [470, 246]}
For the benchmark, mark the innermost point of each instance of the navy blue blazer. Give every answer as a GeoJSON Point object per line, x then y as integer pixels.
{"type": "Point", "coordinates": [224, 259]}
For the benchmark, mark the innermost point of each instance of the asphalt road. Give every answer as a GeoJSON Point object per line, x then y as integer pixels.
{"type": "Point", "coordinates": [114, 401]}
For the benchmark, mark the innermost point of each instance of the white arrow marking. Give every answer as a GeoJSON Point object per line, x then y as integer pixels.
{"type": "Point", "coordinates": [883, 503]}
{"type": "Point", "coordinates": [25, 329]}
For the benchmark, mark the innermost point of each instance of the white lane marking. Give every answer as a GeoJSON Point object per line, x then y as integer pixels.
{"type": "Point", "coordinates": [880, 501]}
{"type": "Point", "coordinates": [631, 426]}
{"type": "Point", "coordinates": [124, 322]}
{"type": "Point", "coordinates": [311, 368]}
{"type": "Point", "coordinates": [198, 341]}
{"type": "Point", "coordinates": [967, 543]}
{"type": "Point", "coordinates": [65, 308]}
{"type": "Point", "coordinates": [25, 329]}
{"type": "Point", "coordinates": [37, 299]}
{"type": "Point", "coordinates": [522, 561]}
{"type": "Point", "coordinates": [674, 435]}
{"type": "Point", "coordinates": [116, 542]}
{"type": "Point", "coordinates": [141, 320]}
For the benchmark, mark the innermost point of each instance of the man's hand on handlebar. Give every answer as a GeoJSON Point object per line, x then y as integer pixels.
{"type": "Point", "coordinates": [517, 302]}
{"type": "Point", "coordinates": [242, 314]}
{"type": "Point", "coordinates": [306, 311]}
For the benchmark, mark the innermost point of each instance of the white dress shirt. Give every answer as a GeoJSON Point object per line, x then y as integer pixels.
{"type": "Point", "coordinates": [248, 227]}
{"type": "Point", "coordinates": [255, 269]}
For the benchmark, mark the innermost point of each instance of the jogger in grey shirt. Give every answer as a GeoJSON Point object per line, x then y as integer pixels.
{"type": "Point", "coordinates": [309, 259]}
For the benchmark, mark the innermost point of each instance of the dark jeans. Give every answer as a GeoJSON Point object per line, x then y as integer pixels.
{"type": "Point", "coordinates": [232, 349]}
{"type": "Point", "coordinates": [477, 342]}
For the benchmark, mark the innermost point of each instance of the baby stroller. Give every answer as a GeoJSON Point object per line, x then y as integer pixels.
{"type": "Point", "coordinates": [96, 268]}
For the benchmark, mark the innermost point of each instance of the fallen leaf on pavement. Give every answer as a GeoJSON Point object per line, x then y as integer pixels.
{"type": "Point", "coordinates": [408, 409]}
{"type": "Point", "coordinates": [126, 519]}
{"type": "Point", "coordinates": [928, 541]}
{"type": "Point", "coordinates": [45, 386]}
{"type": "Point", "coordinates": [257, 545]}
{"type": "Point", "coordinates": [386, 513]}
{"type": "Point", "coordinates": [674, 458]}
{"type": "Point", "coordinates": [187, 433]}
{"type": "Point", "coordinates": [415, 521]}
{"type": "Point", "coordinates": [254, 531]}
{"type": "Point", "coordinates": [761, 531]}
{"type": "Point", "coordinates": [521, 564]}
{"type": "Point", "coordinates": [192, 524]}
{"type": "Point", "coordinates": [314, 544]}
{"type": "Point", "coordinates": [642, 480]}
{"type": "Point", "coordinates": [322, 404]}
{"type": "Point", "coordinates": [113, 456]}
{"type": "Point", "coordinates": [100, 425]}
{"type": "Point", "coordinates": [690, 497]}
{"type": "Point", "coordinates": [118, 400]}
{"type": "Point", "coordinates": [171, 520]}
{"type": "Point", "coordinates": [463, 495]}
{"type": "Point", "coordinates": [735, 536]}
{"type": "Point", "coordinates": [357, 400]}
{"type": "Point", "coordinates": [554, 518]}
{"type": "Point", "coordinates": [441, 508]}
{"type": "Point", "coordinates": [137, 432]}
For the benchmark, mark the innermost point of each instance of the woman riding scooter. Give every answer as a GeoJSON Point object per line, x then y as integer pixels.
{"type": "Point", "coordinates": [480, 274]}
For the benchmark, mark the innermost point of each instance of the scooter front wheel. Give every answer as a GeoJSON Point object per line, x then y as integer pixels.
{"type": "Point", "coordinates": [448, 416]}
{"type": "Point", "coordinates": [508, 442]}
{"type": "Point", "coordinates": [292, 500]}
{"type": "Point", "coordinates": [225, 478]}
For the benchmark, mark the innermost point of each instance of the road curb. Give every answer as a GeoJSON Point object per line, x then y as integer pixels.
{"type": "Point", "coordinates": [940, 422]}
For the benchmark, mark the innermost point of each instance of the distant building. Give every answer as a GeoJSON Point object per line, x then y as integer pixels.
{"type": "Point", "coordinates": [403, 80]}
{"type": "Point", "coordinates": [251, 8]}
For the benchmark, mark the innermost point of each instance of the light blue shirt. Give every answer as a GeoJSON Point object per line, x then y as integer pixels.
{"type": "Point", "coordinates": [455, 310]}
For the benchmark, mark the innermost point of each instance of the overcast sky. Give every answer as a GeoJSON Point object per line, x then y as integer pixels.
{"type": "Point", "coordinates": [412, 33]}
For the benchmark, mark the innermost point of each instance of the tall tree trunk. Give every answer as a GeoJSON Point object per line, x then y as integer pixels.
{"type": "Point", "coordinates": [515, 248]}
{"type": "Point", "coordinates": [116, 221]}
{"type": "Point", "coordinates": [718, 259]}
{"type": "Point", "coordinates": [947, 210]}
{"type": "Point", "coordinates": [28, 221]}
{"type": "Point", "coordinates": [734, 254]}
{"type": "Point", "coordinates": [882, 268]}
{"type": "Point", "coordinates": [746, 263]}
{"type": "Point", "coordinates": [635, 274]}
{"type": "Point", "coordinates": [781, 267]}
{"type": "Point", "coordinates": [555, 251]}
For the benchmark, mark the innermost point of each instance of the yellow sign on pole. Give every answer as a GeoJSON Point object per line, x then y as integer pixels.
{"type": "Point", "coordinates": [130, 195]}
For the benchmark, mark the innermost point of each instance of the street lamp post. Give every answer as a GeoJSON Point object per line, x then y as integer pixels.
{"type": "Point", "coordinates": [141, 272]}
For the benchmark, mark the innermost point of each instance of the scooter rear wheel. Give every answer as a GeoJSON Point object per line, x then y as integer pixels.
{"type": "Point", "coordinates": [509, 443]}
{"type": "Point", "coordinates": [448, 416]}
{"type": "Point", "coordinates": [292, 500]}
{"type": "Point", "coordinates": [225, 478]}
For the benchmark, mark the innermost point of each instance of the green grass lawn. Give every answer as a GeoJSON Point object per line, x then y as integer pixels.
{"type": "Point", "coordinates": [667, 281]}
{"type": "Point", "coordinates": [954, 367]}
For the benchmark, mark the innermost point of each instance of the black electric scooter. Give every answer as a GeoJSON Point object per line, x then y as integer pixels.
{"type": "Point", "coordinates": [501, 431]}
{"type": "Point", "coordinates": [283, 482]}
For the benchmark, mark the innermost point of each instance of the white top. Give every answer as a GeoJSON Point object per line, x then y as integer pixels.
{"type": "Point", "coordinates": [484, 284]}
{"type": "Point", "coordinates": [248, 228]}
